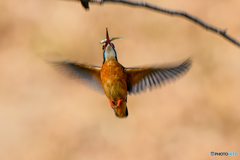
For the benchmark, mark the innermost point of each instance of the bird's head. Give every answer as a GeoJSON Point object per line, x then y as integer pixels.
{"type": "Point", "coordinates": [108, 47]}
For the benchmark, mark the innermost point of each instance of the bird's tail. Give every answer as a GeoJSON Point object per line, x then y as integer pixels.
{"type": "Point", "coordinates": [121, 112]}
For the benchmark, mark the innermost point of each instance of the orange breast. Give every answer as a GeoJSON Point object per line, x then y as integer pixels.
{"type": "Point", "coordinates": [113, 80]}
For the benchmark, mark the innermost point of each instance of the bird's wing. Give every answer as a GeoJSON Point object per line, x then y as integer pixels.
{"type": "Point", "coordinates": [88, 73]}
{"type": "Point", "coordinates": [138, 79]}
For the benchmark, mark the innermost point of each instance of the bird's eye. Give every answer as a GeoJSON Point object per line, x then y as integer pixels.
{"type": "Point", "coordinates": [103, 47]}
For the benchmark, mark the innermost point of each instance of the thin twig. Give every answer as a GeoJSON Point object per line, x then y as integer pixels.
{"type": "Point", "coordinates": [222, 32]}
{"type": "Point", "coordinates": [182, 14]}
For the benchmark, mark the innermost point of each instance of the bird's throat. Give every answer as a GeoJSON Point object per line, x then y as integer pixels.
{"type": "Point", "coordinates": [109, 53]}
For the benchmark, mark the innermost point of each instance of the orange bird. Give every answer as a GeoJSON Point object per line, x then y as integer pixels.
{"type": "Point", "coordinates": [117, 81]}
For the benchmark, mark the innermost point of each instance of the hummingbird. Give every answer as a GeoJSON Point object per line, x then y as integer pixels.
{"type": "Point", "coordinates": [117, 81]}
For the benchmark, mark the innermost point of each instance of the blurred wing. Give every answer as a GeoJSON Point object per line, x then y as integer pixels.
{"type": "Point", "coordinates": [87, 73]}
{"type": "Point", "coordinates": [138, 79]}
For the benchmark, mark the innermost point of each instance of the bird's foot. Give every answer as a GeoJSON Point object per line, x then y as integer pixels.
{"type": "Point", "coordinates": [119, 102]}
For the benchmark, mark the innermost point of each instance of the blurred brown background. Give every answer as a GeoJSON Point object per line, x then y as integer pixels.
{"type": "Point", "coordinates": [45, 115]}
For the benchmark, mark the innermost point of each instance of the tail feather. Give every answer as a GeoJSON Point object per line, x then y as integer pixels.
{"type": "Point", "coordinates": [120, 113]}
{"type": "Point", "coordinates": [122, 110]}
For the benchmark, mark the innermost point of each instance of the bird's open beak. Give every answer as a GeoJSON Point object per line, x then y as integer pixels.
{"type": "Point", "coordinates": [107, 37]}
{"type": "Point", "coordinates": [108, 40]}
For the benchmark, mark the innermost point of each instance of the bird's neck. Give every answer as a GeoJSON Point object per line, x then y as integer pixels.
{"type": "Point", "coordinates": [109, 55]}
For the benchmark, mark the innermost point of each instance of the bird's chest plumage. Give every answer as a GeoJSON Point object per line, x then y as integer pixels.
{"type": "Point", "coordinates": [113, 80]}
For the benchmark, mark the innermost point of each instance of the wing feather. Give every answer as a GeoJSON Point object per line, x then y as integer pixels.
{"type": "Point", "coordinates": [140, 85]}
{"type": "Point", "coordinates": [87, 73]}
{"type": "Point", "coordinates": [138, 79]}
{"type": "Point", "coordinates": [157, 78]}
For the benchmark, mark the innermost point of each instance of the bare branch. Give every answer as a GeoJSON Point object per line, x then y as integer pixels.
{"type": "Point", "coordinates": [222, 32]}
